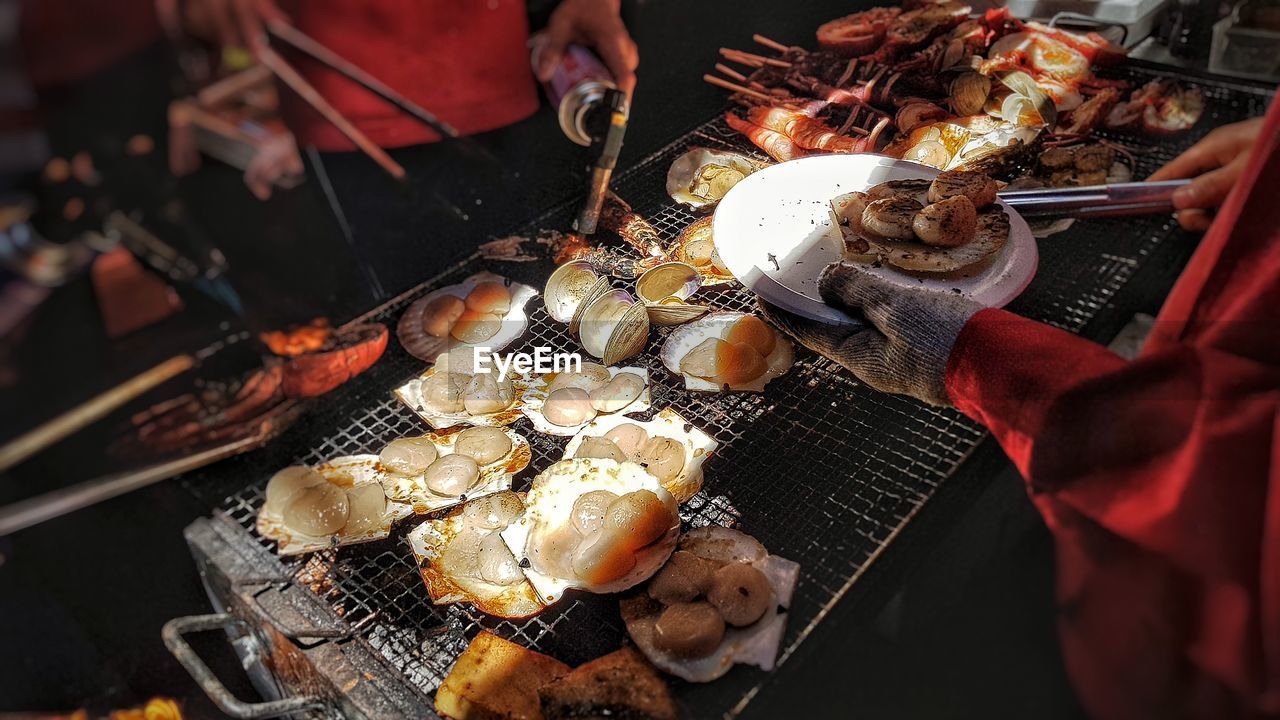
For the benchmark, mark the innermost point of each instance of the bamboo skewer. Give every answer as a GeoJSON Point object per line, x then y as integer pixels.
{"type": "Point", "coordinates": [721, 82]}
{"type": "Point", "coordinates": [732, 54]}
{"type": "Point", "coordinates": [86, 414]}
{"type": "Point", "coordinates": [734, 74]}
{"type": "Point", "coordinates": [771, 44]}
{"type": "Point", "coordinates": [298, 84]}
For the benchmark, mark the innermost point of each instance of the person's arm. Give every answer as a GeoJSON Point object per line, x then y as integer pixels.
{"type": "Point", "coordinates": [596, 24]}
{"type": "Point", "coordinates": [1130, 445]}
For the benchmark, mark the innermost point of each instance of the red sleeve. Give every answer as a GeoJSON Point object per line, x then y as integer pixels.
{"type": "Point", "coordinates": [1170, 451]}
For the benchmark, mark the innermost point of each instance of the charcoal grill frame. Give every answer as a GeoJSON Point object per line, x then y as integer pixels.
{"type": "Point", "coordinates": [867, 462]}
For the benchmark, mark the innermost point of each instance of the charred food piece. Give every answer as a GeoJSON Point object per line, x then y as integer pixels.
{"type": "Point", "coordinates": [621, 684]}
{"type": "Point", "coordinates": [741, 593]}
{"type": "Point", "coordinates": [689, 630]}
{"type": "Point", "coordinates": [947, 223]}
{"type": "Point", "coordinates": [979, 188]}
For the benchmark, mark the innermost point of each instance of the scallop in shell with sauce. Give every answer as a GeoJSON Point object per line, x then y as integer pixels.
{"type": "Point", "coordinates": [444, 396]}
{"type": "Point", "coordinates": [696, 247]}
{"type": "Point", "coordinates": [635, 441]}
{"type": "Point", "coordinates": [487, 310]}
{"type": "Point", "coordinates": [340, 502]}
{"type": "Point", "coordinates": [717, 602]}
{"type": "Point", "coordinates": [722, 351]}
{"type": "Point", "coordinates": [593, 524]}
{"type": "Point", "coordinates": [591, 399]}
{"type": "Point", "coordinates": [462, 558]}
{"type": "Point", "coordinates": [470, 463]}
{"type": "Point", "coordinates": [701, 177]}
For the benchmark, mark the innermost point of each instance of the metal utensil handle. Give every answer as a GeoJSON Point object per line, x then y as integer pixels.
{"type": "Point", "coordinates": [212, 686]}
{"type": "Point", "coordinates": [1045, 201]}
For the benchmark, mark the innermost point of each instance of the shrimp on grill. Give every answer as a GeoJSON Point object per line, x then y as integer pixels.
{"type": "Point", "coordinates": [777, 145]}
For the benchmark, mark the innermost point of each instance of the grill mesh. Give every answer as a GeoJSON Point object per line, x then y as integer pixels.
{"type": "Point", "coordinates": [820, 468]}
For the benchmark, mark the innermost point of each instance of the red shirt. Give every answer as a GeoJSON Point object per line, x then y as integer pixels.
{"type": "Point", "coordinates": [1159, 478]}
{"type": "Point", "coordinates": [466, 61]}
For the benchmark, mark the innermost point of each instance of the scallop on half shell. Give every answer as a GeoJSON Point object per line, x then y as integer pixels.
{"type": "Point", "coordinates": [701, 177]}
{"type": "Point", "coordinates": [469, 463]}
{"type": "Point", "coordinates": [549, 407]}
{"type": "Point", "coordinates": [703, 343]}
{"type": "Point", "coordinates": [462, 558]}
{"type": "Point", "coordinates": [722, 551]}
{"type": "Point", "coordinates": [614, 435]}
{"type": "Point", "coordinates": [340, 502]}
{"type": "Point", "coordinates": [597, 525]}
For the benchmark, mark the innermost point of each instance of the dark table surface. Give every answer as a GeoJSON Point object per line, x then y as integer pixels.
{"type": "Point", "coordinates": [956, 620]}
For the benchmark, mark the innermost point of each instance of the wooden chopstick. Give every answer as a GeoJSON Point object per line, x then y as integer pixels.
{"type": "Point", "coordinates": [298, 84]}
{"type": "Point", "coordinates": [91, 411]}
{"type": "Point", "coordinates": [754, 58]}
{"type": "Point", "coordinates": [770, 43]}
{"type": "Point", "coordinates": [306, 44]}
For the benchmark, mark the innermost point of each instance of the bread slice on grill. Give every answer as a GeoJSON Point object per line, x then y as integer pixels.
{"type": "Point", "coordinates": [495, 679]}
{"type": "Point", "coordinates": [619, 686]}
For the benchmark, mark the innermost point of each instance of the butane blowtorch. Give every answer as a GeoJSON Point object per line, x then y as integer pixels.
{"type": "Point", "coordinates": [606, 125]}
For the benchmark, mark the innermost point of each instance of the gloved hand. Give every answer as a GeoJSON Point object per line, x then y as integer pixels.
{"type": "Point", "coordinates": [906, 342]}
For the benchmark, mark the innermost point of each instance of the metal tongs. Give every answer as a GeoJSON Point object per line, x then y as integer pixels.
{"type": "Point", "coordinates": [290, 76]}
{"type": "Point", "coordinates": [1095, 201]}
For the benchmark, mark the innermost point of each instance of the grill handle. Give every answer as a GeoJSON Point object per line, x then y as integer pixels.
{"type": "Point", "coordinates": [212, 686]}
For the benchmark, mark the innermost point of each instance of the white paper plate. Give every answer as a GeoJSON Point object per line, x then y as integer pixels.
{"type": "Point", "coordinates": [782, 212]}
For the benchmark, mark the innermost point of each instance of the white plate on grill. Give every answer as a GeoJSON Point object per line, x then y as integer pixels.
{"type": "Point", "coordinates": [782, 213]}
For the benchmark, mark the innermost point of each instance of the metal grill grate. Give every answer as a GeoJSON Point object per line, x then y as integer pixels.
{"type": "Point", "coordinates": [820, 468]}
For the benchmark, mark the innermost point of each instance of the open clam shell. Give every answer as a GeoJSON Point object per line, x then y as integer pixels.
{"type": "Point", "coordinates": [695, 246]}
{"type": "Point", "coordinates": [418, 343]}
{"type": "Point", "coordinates": [674, 312]}
{"type": "Point", "coordinates": [669, 424]}
{"type": "Point", "coordinates": [717, 325]}
{"type": "Point", "coordinates": [410, 394]}
{"type": "Point", "coordinates": [630, 335]}
{"type": "Point", "coordinates": [614, 327]}
{"type": "Point", "coordinates": [669, 280]}
{"type": "Point", "coordinates": [700, 177]}
{"type": "Point", "coordinates": [446, 586]}
{"type": "Point", "coordinates": [536, 397]}
{"type": "Point", "coordinates": [412, 490]}
{"type": "Point", "coordinates": [345, 472]}
{"type": "Point", "coordinates": [594, 293]}
{"type": "Point", "coordinates": [567, 288]}
{"type": "Point", "coordinates": [533, 536]}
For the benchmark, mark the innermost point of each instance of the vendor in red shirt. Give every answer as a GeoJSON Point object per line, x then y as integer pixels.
{"type": "Point", "coordinates": [1159, 477]}
{"type": "Point", "coordinates": [466, 61]}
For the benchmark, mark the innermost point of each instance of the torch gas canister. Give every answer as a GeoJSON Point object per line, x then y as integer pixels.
{"type": "Point", "coordinates": [579, 85]}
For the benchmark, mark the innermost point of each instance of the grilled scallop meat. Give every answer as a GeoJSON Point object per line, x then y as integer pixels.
{"type": "Point", "coordinates": [947, 223]}
{"type": "Point", "coordinates": [891, 217]}
{"type": "Point", "coordinates": [980, 189]}
{"type": "Point", "coordinates": [914, 189]}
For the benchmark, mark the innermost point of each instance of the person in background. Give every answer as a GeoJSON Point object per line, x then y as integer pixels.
{"type": "Point", "coordinates": [1160, 477]}
{"type": "Point", "coordinates": [466, 62]}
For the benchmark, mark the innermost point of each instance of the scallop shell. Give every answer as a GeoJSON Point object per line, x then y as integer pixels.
{"type": "Point", "coordinates": [347, 471]}
{"type": "Point", "coordinates": [410, 394]}
{"type": "Point", "coordinates": [428, 542]}
{"type": "Point", "coordinates": [537, 396]}
{"type": "Point", "coordinates": [427, 347]}
{"type": "Point", "coordinates": [688, 169]}
{"type": "Point", "coordinates": [567, 287]}
{"type": "Point", "coordinates": [992, 234]}
{"type": "Point", "coordinates": [756, 644]}
{"type": "Point", "coordinates": [716, 325]}
{"type": "Point", "coordinates": [495, 477]}
{"type": "Point", "coordinates": [549, 506]}
{"type": "Point", "coordinates": [698, 445]}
